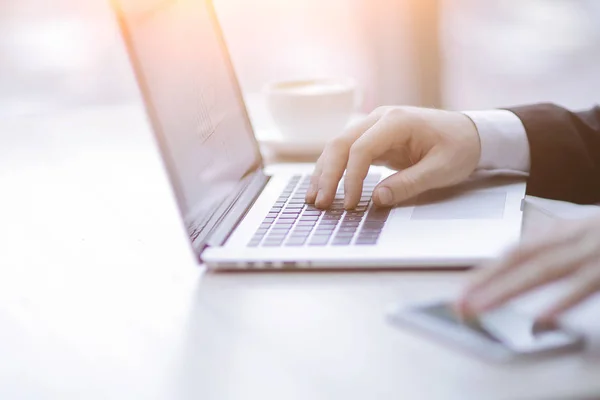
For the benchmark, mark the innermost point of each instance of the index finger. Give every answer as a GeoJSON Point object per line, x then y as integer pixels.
{"type": "Point", "coordinates": [334, 159]}
{"type": "Point", "coordinates": [374, 142]}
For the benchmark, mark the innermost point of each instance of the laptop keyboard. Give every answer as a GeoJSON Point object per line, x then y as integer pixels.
{"type": "Point", "coordinates": [293, 223]}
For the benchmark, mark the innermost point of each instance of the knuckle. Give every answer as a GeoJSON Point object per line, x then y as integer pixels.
{"type": "Point", "coordinates": [586, 284]}
{"type": "Point", "coordinates": [337, 143]}
{"type": "Point", "coordinates": [380, 110]}
{"type": "Point", "coordinates": [359, 150]}
{"type": "Point", "coordinates": [517, 253]}
{"type": "Point", "coordinates": [557, 270]}
{"type": "Point", "coordinates": [395, 112]}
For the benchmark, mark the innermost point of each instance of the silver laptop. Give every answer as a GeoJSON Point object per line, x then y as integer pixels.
{"type": "Point", "coordinates": [241, 215]}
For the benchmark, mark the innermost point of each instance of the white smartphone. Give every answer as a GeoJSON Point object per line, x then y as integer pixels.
{"type": "Point", "coordinates": [501, 335]}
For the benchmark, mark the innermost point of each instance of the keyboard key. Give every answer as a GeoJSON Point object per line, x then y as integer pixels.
{"type": "Point", "coordinates": [300, 236]}
{"type": "Point", "coordinates": [328, 222]}
{"type": "Point", "coordinates": [307, 223]}
{"type": "Point", "coordinates": [367, 237]}
{"type": "Point", "coordinates": [254, 243]}
{"type": "Point", "coordinates": [272, 215]}
{"type": "Point", "coordinates": [282, 227]}
{"type": "Point", "coordinates": [295, 243]}
{"type": "Point", "coordinates": [369, 233]}
{"type": "Point", "coordinates": [350, 224]}
{"type": "Point", "coordinates": [341, 241]}
{"type": "Point", "coordinates": [325, 229]}
{"type": "Point", "coordinates": [366, 242]}
{"type": "Point", "coordinates": [303, 228]}
{"type": "Point", "coordinates": [317, 213]}
{"type": "Point", "coordinates": [373, 225]}
{"type": "Point", "coordinates": [349, 219]}
{"type": "Point", "coordinates": [288, 217]}
{"type": "Point", "coordinates": [291, 212]}
{"type": "Point", "coordinates": [294, 207]}
{"type": "Point", "coordinates": [309, 218]}
{"type": "Point", "coordinates": [332, 217]}
{"type": "Point", "coordinates": [349, 229]}
{"type": "Point", "coordinates": [319, 241]}
{"type": "Point", "coordinates": [274, 239]}
{"type": "Point", "coordinates": [273, 244]}
{"type": "Point", "coordinates": [265, 225]}
{"type": "Point", "coordinates": [345, 235]}
{"type": "Point", "coordinates": [371, 230]}
{"type": "Point", "coordinates": [378, 214]}
{"type": "Point", "coordinates": [359, 214]}
{"type": "Point", "coordinates": [275, 231]}
{"type": "Point", "coordinates": [334, 212]}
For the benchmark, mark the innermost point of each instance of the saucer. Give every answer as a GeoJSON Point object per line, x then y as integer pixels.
{"type": "Point", "coordinates": [272, 141]}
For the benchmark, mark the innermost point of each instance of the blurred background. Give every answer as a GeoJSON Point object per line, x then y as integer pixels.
{"type": "Point", "coordinates": [457, 54]}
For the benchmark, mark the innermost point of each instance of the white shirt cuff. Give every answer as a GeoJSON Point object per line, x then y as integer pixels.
{"type": "Point", "coordinates": [504, 143]}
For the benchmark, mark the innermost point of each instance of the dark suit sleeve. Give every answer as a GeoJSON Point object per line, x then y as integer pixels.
{"type": "Point", "coordinates": [565, 152]}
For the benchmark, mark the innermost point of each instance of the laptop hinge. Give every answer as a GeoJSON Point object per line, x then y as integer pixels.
{"type": "Point", "coordinates": [231, 212]}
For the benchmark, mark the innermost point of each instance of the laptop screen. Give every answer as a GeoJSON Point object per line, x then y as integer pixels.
{"type": "Point", "coordinates": [193, 99]}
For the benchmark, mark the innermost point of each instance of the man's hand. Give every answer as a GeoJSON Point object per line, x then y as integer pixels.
{"type": "Point", "coordinates": [429, 148]}
{"type": "Point", "coordinates": [571, 251]}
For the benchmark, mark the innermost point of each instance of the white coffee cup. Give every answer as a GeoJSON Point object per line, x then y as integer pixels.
{"type": "Point", "coordinates": [311, 110]}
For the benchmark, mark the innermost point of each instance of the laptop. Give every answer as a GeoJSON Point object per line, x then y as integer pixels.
{"type": "Point", "coordinates": [241, 215]}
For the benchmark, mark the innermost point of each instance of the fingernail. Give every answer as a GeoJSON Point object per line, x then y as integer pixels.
{"type": "Point", "coordinates": [312, 191]}
{"type": "Point", "coordinates": [543, 325]}
{"type": "Point", "coordinates": [385, 196]}
{"type": "Point", "coordinates": [467, 311]}
{"type": "Point", "coordinates": [319, 199]}
{"type": "Point", "coordinates": [481, 305]}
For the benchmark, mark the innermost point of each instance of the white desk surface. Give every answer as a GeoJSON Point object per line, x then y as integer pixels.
{"type": "Point", "coordinates": [100, 297]}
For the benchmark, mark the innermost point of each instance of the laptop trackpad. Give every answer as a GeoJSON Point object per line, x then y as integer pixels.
{"type": "Point", "coordinates": [449, 204]}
